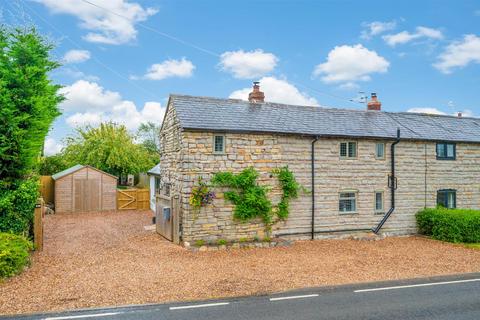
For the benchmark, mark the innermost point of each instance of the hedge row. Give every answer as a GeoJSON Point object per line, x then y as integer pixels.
{"type": "Point", "coordinates": [17, 205]}
{"type": "Point", "coordinates": [452, 225]}
{"type": "Point", "coordinates": [14, 254]}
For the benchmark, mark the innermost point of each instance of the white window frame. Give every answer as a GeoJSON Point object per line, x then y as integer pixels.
{"type": "Point", "coordinates": [348, 148]}
{"type": "Point", "coordinates": [382, 210]}
{"type": "Point", "coordinates": [355, 198]}
{"type": "Point", "coordinates": [223, 145]}
{"type": "Point", "coordinates": [376, 151]}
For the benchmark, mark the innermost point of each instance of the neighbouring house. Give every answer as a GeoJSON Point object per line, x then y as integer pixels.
{"type": "Point", "coordinates": [154, 183]}
{"type": "Point", "coordinates": [361, 175]}
{"type": "Point", "coordinates": [84, 188]}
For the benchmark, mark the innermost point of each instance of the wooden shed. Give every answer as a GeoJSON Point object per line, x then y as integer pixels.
{"type": "Point", "coordinates": [84, 188]}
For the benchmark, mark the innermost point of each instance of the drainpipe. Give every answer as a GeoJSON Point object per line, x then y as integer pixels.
{"type": "Point", "coordinates": [313, 186]}
{"type": "Point", "coordinates": [392, 185]}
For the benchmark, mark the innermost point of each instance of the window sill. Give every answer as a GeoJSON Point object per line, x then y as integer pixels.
{"type": "Point", "coordinates": [378, 213]}
{"type": "Point", "coordinates": [352, 213]}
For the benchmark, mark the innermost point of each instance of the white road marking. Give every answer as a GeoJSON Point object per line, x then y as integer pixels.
{"type": "Point", "coordinates": [417, 285]}
{"type": "Point", "coordinates": [294, 297]}
{"type": "Point", "coordinates": [93, 315]}
{"type": "Point", "coordinates": [200, 305]}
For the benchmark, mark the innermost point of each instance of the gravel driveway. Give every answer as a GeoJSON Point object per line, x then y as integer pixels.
{"type": "Point", "coordinates": [104, 259]}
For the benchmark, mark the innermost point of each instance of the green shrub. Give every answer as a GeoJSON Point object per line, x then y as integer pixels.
{"type": "Point", "coordinates": [221, 242]}
{"type": "Point", "coordinates": [14, 254]}
{"type": "Point", "coordinates": [199, 243]}
{"type": "Point", "coordinates": [453, 225]}
{"type": "Point", "coordinates": [17, 205]}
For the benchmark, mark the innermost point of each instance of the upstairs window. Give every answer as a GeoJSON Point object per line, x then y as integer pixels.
{"type": "Point", "coordinates": [447, 198]}
{"type": "Point", "coordinates": [380, 150]}
{"type": "Point", "coordinates": [219, 144]}
{"type": "Point", "coordinates": [347, 202]}
{"type": "Point", "coordinates": [348, 150]}
{"type": "Point", "coordinates": [446, 151]}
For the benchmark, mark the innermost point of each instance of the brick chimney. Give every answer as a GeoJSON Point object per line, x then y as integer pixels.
{"type": "Point", "coordinates": [256, 96]}
{"type": "Point", "coordinates": [459, 114]}
{"type": "Point", "coordinates": [374, 104]}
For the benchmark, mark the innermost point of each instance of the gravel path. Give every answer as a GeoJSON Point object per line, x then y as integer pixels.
{"type": "Point", "coordinates": [105, 259]}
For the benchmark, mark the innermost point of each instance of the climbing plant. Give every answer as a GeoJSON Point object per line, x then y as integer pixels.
{"type": "Point", "coordinates": [250, 199]}
{"type": "Point", "coordinates": [290, 188]}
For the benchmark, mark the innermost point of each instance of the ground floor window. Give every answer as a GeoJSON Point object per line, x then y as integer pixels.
{"type": "Point", "coordinates": [447, 198]}
{"type": "Point", "coordinates": [158, 185]}
{"type": "Point", "coordinates": [347, 202]}
{"type": "Point", "coordinates": [379, 202]}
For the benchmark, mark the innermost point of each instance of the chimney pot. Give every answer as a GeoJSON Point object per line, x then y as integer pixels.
{"type": "Point", "coordinates": [459, 114]}
{"type": "Point", "coordinates": [374, 104]}
{"type": "Point", "coordinates": [256, 96]}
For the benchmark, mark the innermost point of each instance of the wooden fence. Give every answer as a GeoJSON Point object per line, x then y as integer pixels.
{"type": "Point", "coordinates": [47, 189]}
{"type": "Point", "coordinates": [133, 199]}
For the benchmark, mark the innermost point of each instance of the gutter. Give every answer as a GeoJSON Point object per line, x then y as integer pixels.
{"type": "Point", "coordinates": [313, 186]}
{"type": "Point", "coordinates": [392, 181]}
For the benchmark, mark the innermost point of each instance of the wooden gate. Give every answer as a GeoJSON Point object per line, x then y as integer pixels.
{"type": "Point", "coordinates": [167, 217]}
{"type": "Point", "coordinates": [133, 199]}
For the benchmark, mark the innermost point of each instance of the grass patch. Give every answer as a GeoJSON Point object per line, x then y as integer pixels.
{"type": "Point", "coordinates": [473, 245]}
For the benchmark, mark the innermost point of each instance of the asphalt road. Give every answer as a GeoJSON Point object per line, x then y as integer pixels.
{"type": "Point", "coordinates": [452, 297]}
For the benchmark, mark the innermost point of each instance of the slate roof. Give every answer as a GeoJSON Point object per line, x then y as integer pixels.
{"type": "Point", "coordinates": [155, 171]}
{"type": "Point", "coordinates": [66, 172]}
{"type": "Point", "coordinates": [232, 115]}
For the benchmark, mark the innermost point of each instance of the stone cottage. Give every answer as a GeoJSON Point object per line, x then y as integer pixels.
{"type": "Point", "coordinates": [365, 169]}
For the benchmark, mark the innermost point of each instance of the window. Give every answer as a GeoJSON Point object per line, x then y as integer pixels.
{"type": "Point", "coordinates": [446, 151]}
{"type": "Point", "coordinates": [347, 202]}
{"type": "Point", "coordinates": [219, 144]}
{"type": "Point", "coordinates": [447, 198]}
{"type": "Point", "coordinates": [348, 150]}
{"type": "Point", "coordinates": [158, 185]}
{"type": "Point", "coordinates": [380, 150]}
{"type": "Point", "coordinates": [379, 202]}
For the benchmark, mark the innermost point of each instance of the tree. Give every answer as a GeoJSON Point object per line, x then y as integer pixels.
{"type": "Point", "coordinates": [28, 101]}
{"type": "Point", "coordinates": [108, 147]}
{"type": "Point", "coordinates": [149, 134]}
{"type": "Point", "coordinates": [52, 164]}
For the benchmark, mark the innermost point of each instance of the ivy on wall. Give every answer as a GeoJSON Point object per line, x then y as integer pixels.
{"type": "Point", "coordinates": [250, 199]}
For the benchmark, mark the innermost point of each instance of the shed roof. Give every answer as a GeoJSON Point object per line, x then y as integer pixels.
{"type": "Point", "coordinates": [232, 115]}
{"type": "Point", "coordinates": [75, 168]}
{"type": "Point", "coordinates": [155, 170]}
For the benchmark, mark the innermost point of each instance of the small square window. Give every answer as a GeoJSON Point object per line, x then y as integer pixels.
{"type": "Point", "coordinates": [379, 202]}
{"type": "Point", "coordinates": [219, 144]}
{"type": "Point", "coordinates": [347, 202]}
{"type": "Point", "coordinates": [447, 198]}
{"type": "Point", "coordinates": [380, 150]}
{"type": "Point", "coordinates": [348, 150]}
{"type": "Point", "coordinates": [446, 151]}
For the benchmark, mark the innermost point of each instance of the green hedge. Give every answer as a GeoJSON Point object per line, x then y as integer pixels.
{"type": "Point", "coordinates": [14, 254]}
{"type": "Point", "coordinates": [17, 205]}
{"type": "Point", "coordinates": [453, 225]}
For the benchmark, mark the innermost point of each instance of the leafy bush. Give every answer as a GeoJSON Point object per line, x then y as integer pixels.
{"type": "Point", "coordinates": [453, 225]}
{"type": "Point", "coordinates": [221, 242]}
{"type": "Point", "coordinates": [53, 164]}
{"type": "Point", "coordinates": [14, 254]}
{"type": "Point", "coordinates": [17, 206]}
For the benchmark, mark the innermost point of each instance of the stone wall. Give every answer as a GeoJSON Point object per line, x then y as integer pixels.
{"type": "Point", "coordinates": [416, 164]}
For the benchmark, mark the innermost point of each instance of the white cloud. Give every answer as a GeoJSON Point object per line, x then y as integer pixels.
{"type": "Point", "coordinates": [113, 25]}
{"type": "Point", "coordinates": [374, 28]}
{"type": "Point", "coordinates": [465, 112]}
{"type": "Point", "coordinates": [83, 119]}
{"type": "Point", "coordinates": [350, 63]}
{"type": "Point", "coordinates": [93, 105]}
{"type": "Point", "coordinates": [459, 54]}
{"type": "Point", "coordinates": [77, 74]}
{"type": "Point", "coordinates": [277, 90]}
{"type": "Point", "coordinates": [405, 36]}
{"type": "Point", "coordinates": [52, 147]}
{"type": "Point", "coordinates": [426, 110]}
{"type": "Point", "coordinates": [170, 68]}
{"type": "Point", "coordinates": [83, 95]}
{"type": "Point", "coordinates": [248, 64]}
{"type": "Point", "coordinates": [76, 56]}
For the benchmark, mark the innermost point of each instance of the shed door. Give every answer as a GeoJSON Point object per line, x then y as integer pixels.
{"type": "Point", "coordinates": [87, 195]}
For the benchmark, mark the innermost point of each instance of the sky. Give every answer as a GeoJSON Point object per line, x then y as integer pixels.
{"type": "Point", "coordinates": [122, 58]}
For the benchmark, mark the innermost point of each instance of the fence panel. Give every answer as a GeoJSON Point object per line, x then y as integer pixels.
{"type": "Point", "coordinates": [47, 189]}
{"type": "Point", "coordinates": [133, 199]}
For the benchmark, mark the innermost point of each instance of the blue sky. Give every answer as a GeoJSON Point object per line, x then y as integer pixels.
{"type": "Point", "coordinates": [122, 58]}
